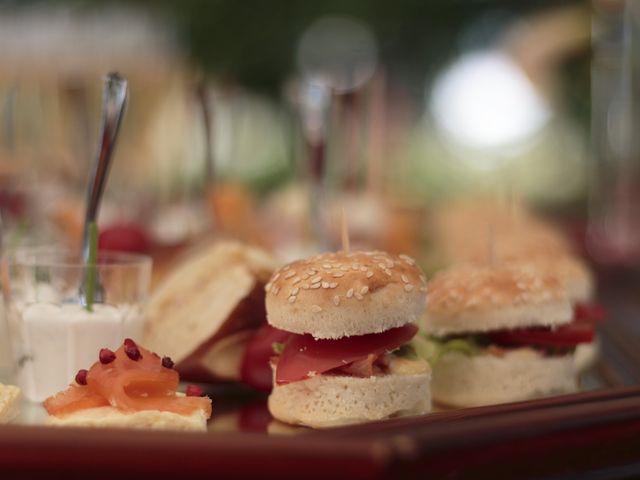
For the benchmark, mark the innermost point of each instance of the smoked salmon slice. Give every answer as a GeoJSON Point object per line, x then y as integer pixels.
{"type": "Point", "coordinates": [130, 382]}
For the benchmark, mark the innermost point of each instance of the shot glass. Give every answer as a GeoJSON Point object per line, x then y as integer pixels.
{"type": "Point", "coordinates": [52, 331]}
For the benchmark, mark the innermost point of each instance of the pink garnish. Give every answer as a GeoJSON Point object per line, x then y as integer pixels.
{"type": "Point", "coordinates": [133, 352]}
{"type": "Point", "coordinates": [167, 362]}
{"type": "Point", "coordinates": [193, 391]}
{"type": "Point", "coordinates": [81, 377]}
{"type": "Point", "coordinates": [106, 356]}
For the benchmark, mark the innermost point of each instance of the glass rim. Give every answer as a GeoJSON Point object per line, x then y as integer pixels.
{"type": "Point", "coordinates": [57, 257]}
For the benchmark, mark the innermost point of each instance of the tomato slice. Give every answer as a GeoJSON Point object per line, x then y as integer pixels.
{"type": "Point", "coordinates": [303, 355]}
{"type": "Point", "coordinates": [255, 369]}
{"type": "Point", "coordinates": [565, 336]}
{"type": "Point", "coordinates": [589, 312]}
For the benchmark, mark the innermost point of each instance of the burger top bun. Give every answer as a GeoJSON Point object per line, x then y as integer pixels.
{"type": "Point", "coordinates": [468, 299]}
{"type": "Point", "coordinates": [335, 295]}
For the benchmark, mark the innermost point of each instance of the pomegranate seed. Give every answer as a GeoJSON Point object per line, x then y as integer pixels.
{"type": "Point", "coordinates": [193, 391]}
{"type": "Point", "coordinates": [81, 377]}
{"type": "Point", "coordinates": [167, 362]}
{"type": "Point", "coordinates": [132, 352]}
{"type": "Point", "coordinates": [130, 343]}
{"type": "Point", "coordinates": [106, 356]}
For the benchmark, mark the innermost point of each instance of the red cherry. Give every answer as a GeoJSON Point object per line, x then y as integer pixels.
{"type": "Point", "coordinates": [124, 237]}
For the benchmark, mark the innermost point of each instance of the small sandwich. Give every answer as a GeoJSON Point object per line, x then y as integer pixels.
{"type": "Point", "coordinates": [129, 388]}
{"type": "Point", "coordinates": [498, 334]}
{"type": "Point", "coordinates": [208, 308]}
{"type": "Point", "coordinates": [346, 359]}
{"type": "Point", "coordinates": [9, 403]}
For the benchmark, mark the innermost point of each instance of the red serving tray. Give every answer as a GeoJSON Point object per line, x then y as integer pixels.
{"type": "Point", "coordinates": [594, 433]}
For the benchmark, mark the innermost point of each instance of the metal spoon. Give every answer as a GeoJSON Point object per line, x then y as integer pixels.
{"type": "Point", "coordinates": [114, 98]}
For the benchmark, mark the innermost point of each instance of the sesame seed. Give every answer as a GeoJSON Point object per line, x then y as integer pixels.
{"type": "Point", "coordinates": [344, 268]}
{"type": "Point", "coordinates": [292, 298]}
{"type": "Point", "coordinates": [294, 291]}
{"type": "Point", "coordinates": [286, 267]}
{"type": "Point", "coordinates": [358, 295]}
{"type": "Point", "coordinates": [326, 265]}
{"type": "Point", "coordinates": [336, 300]}
{"type": "Point", "coordinates": [295, 280]}
{"type": "Point", "coordinates": [369, 274]}
{"type": "Point", "coordinates": [390, 263]}
{"type": "Point", "coordinates": [325, 284]}
{"type": "Point", "coordinates": [315, 285]}
{"type": "Point", "coordinates": [387, 272]}
{"type": "Point", "coordinates": [364, 290]}
{"type": "Point", "coordinates": [407, 259]}
{"type": "Point", "coordinates": [305, 286]}
{"type": "Point", "coordinates": [404, 279]}
{"type": "Point", "coordinates": [337, 275]}
{"type": "Point", "coordinates": [316, 308]}
{"type": "Point", "coordinates": [316, 279]}
{"type": "Point", "coordinates": [275, 277]}
{"type": "Point", "coordinates": [333, 285]}
{"type": "Point", "coordinates": [267, 287]}
{"type": "Point", "coordinates": [350, 293]}
{"type": "Point", "coordinates": [408, 287]}
{"type": "Point", "coordinates": [276, 289]}
{"type": "Point", "coordinates": [363, 268]}
{"type": "Point", "coordinates": [382, 266]}
{"type": "Point", "coordinates": [289, 274]}
{"type": "Point", "coordinates": [355, 267]}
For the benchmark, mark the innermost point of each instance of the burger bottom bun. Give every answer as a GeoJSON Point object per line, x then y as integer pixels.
{"type": "Point", "coordinates": [330, 400]}
{"type": "Point", "coordinates": [110, 417]}
{"type": "Point", "coordinates": [485, 379]}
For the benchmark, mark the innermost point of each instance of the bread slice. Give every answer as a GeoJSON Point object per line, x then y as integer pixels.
{"type": "Point", "coordinates": [522, 374]}
{"type": "Point", "coordinates": [110, 417]}
{"type": "Point", "coordinates": [213, 294]}
{"type": "Point", "coordinates": [326, 401]}
{"type": "Point", "coordinates": [9, 403]}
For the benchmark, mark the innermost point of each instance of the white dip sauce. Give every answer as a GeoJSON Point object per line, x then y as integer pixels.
{"type": "Point", "coordinates": [52, 341]}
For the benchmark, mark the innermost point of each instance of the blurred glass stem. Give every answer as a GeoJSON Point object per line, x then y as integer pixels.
{"type": "Point", "coordinates": [315, 102]}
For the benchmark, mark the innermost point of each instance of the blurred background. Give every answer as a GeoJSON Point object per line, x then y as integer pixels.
{"type": "Point", "coordinates": [261, 120]}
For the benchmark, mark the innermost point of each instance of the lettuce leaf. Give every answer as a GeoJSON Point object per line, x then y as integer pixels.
{"type": "Point", "coordinates": [431, 348]}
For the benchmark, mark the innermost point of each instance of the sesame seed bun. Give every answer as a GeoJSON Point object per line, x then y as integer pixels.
{"type": "Point", "coordinates": [335, 295]}
{"type": "Point", "coordinates": [467, 299]}
{"type": "Point", "coordinates": [521, 374]}
{"type": "Point", "coordinates": [572, 272]}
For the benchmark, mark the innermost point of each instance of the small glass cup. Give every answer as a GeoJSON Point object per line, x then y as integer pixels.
{"type": "Point", "coordinates": [52, 334]}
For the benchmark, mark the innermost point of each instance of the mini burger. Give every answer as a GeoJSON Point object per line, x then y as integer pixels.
{"type": "Point", "coordinates": [346, 359]}
{"type": "Point", "coordinates": [497, 334]}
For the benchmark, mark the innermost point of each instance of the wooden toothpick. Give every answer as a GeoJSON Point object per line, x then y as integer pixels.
{"type": "Point", "coordinates": [344, 232]}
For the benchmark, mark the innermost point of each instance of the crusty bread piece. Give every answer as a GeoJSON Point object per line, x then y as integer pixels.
{"type": "Point", "coordinates": [340, 294]}
{"type": "Point", "coordinates": [110, 417]}
{"type": "Point", "coordinates": [9, 403]}
{"type": "Point", "coordinates": [466, 299]}
{"type": "Point", "coordinates": [211, 295]}
{"type": "Point", "coordinates": [326, 401]}
{"type": "Point", "coordinates": [522, 374]}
